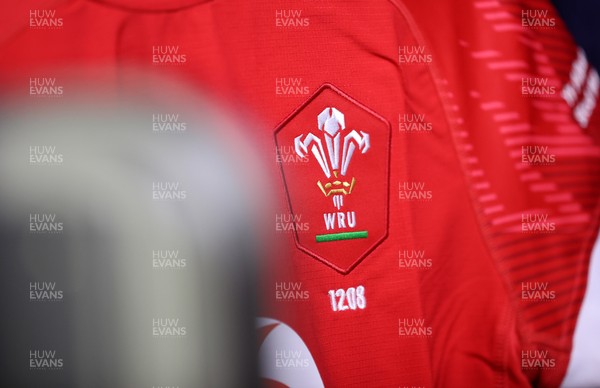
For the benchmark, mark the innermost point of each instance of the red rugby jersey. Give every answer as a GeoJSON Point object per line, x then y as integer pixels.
{"type": "Point", "coordinates": [437, 170]}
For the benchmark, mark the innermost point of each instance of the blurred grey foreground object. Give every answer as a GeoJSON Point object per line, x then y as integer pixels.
{"type": "Point", "coordinates": [150, 235]}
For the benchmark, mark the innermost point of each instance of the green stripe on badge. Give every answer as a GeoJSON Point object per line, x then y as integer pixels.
{"type": "Point", "coordinates": [342, 236]}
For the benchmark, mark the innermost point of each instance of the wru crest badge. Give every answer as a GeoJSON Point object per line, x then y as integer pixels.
{"type": "Point", "coordinates": [348, 162]}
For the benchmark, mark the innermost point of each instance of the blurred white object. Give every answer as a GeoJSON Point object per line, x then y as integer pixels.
{"type": "Point", "coordinates": [127, 195]}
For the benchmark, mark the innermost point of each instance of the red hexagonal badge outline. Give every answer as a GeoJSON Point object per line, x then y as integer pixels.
{"type": "Point", "coordinates": [337, 181]}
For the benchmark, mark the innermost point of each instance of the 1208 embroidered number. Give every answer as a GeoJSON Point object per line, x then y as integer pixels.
{"type": "Point", "coordinates": [352, 298]}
